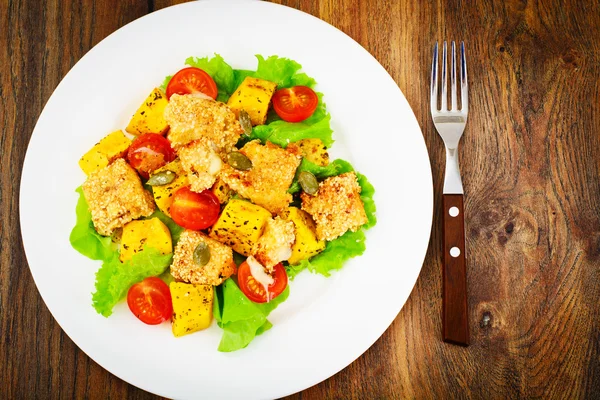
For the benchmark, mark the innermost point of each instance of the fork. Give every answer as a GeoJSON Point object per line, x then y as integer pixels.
{"type": "Point", "coordinates": [450, 124]}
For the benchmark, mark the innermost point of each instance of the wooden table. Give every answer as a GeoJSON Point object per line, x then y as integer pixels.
{"type": "Point", "coordinates": [530, 165]}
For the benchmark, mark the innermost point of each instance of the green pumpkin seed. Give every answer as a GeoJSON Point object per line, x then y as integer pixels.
{"type": "Point", "coordinates": [246, 122]}
{"type": "Point", "coordinates": [116, 235]}
{"type": "Point", "coordinates": [308, 182]}
{"type": "Point", "coordinates": [202, 254]}
{"type": "Point", "coordinates": [162, 178]}
{"type": "Point", "coordinates": [239, 161]}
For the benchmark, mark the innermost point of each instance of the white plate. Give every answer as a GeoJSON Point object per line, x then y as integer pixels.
{"type": "Point", "coordinates": [326, 323]}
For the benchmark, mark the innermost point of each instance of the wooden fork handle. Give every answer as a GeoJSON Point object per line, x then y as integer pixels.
{"type": "Point", "coordinates": [455, 319]}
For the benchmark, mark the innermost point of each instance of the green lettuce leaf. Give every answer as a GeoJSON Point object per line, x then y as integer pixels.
{"type": "Point", "coordinates": [240, 75]}
{"type": "Point", "coordinates": [338, 251]}
{"type": "Point", "coordinates": [167, 277]}
{"type": "Point", "coordinates": [366, 195]}
{"type": "Point", "coordinates": [163, 85]}
{"type": "Point", "coordinates": [241, 319]}
{"type": "Point", "coordinates": [84, 237]}
{"type": "Point", "coordinates": [283, 133]}
{"type": "Point", "coordinates": [114, 278]}
{"type": "Point", "coordinates": [282, 71]}
{"type": "Point", "coordinates": [293, 270]}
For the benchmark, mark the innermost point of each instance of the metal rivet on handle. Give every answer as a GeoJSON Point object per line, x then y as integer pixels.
{"type": "Point", "coordinates": [455, 252]}
{"type": "Point", "coordinates": [453, 211]}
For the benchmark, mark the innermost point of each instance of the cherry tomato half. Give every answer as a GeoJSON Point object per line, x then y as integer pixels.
{"type": "Point", "coordinates": [295, 104]}
{"type": "Point", "coordinates": [148, 152]}
{"type": "Point", "coordinates": [254, 290]}
{"type": "Point", "coordinates": [150, 301]}
{"type": "Point", "coordinates": [192, 80]}
{"type": "Point", "coordinates": [195, 210]}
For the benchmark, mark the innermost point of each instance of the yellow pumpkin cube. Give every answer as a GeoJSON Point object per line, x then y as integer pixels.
{"type": "Point", "coordinates": [111, 147]}
{"type": "Point", "coordinates": [306, 244]}
{"type": "Point", "coordinates": [240, 225]}
{"type": "Point", "coordinates": [149, 117]}
{"type": "Point", "coordinates": [163, 195]}
{"type": "Point", "coordinates": [222, 191]}
{"type": "Point", "coordinates": [314, 151]}
{"type": "Point", "coordinates": [192, 307]}
{"type": "Point", "coordinates": [253, 96]}
{"type": "Point", "coordinates": [146, 232]}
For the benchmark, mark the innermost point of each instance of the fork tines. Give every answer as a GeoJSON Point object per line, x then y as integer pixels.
{"type": "Point", "coordinates": [463, 80]}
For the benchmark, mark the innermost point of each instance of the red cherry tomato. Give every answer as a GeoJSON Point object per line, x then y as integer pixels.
{"type": "Point", "coordinates": [150, 301]}
{"type": "Point", "coordinates": [295, 104]}
{"type": "Point", "coordinates": [192, 80]}
{"type": "Point", "coordinates": [148, 152]}
{"type": "Point", "coordinates": [195, 210]}
{"type": "Point", "coordinates": [254, 290]}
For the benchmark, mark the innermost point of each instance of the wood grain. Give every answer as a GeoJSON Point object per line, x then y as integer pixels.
{"type": "Point", "coordinates": [530, 160]}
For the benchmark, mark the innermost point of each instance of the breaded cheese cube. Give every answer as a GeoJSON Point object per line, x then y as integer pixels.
{"type": "Point", "coordinates": [115, 196]}
{"type": "Point", "coordinates": [337, 206]}
{"type": "Point", "coordinates": [201, 164]}
{"type": "Point", "coordinates": [220, 265]}
{"type": "Point", "coordinates": [267, 182]}
{"type": "Point", "coordinates": [275, 244]}
{"type": "Point", "coordinates": [191, 117]}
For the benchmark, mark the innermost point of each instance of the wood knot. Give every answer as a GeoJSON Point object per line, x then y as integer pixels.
{"type": "Point", "coordinates": [509, 229]}
{"type": "Point", "coordinates": [491, 223]}
{"type": "Point", "coordinates": [486, 321]}
{"type": "Point", "coordinates": [491, 217]}
{"type": "Point", "coordinates": [571, 59]}
{"type": "Point", "coordinates": [473, 233]}
{"type": "Point", "coordinates": [491, 318]}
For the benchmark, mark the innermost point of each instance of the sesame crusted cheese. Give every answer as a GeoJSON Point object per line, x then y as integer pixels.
{"type": "Point", "coordinates": [219, 267]}
{"type": "Point", "coordinates": [267, 182]}
{"type": "Point", "coordinates": [337, 206]}
{"type": "Point", "coordinates": [275, 244]}
{"type": "Point", "coordinates": [115, 196]}
{"type": "Point", "coordinates": [200, 163]}
{"type": "Point", "coordinates": [193, 117]}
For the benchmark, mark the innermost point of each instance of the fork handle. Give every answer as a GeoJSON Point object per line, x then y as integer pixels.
{"type": "Point", "coordinates": [455, 319]}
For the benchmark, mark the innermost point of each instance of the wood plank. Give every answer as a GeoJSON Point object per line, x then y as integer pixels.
{"type": "Point", "coordinates": [530, 161]}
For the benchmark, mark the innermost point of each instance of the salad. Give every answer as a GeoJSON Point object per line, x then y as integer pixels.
{"type": "Point", "coordinates": [218, 193]}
